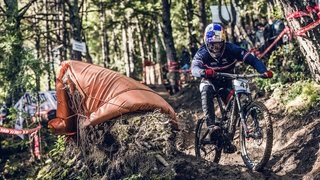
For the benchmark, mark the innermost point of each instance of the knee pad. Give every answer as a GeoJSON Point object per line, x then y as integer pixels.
{"type": "Point", "coordinates": [207, 91]}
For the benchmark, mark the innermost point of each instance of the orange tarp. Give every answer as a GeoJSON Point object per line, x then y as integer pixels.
{"type": "Point", "coordinates": [105, 94]}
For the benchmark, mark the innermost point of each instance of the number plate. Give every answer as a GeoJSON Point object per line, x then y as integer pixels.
{"type": "Point", "coordinates": [241, 85]}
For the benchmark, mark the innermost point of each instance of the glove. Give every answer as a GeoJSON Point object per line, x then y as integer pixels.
{"type": "Point", "coordinates": [268, 74]}
{"type": "Point", "coordinates": [209, 73]}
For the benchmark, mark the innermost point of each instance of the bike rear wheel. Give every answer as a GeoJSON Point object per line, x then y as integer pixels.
{"type": "Point", "coordinates": [204, 148]}
{"type": "Point", "coordinates": [256, 148]}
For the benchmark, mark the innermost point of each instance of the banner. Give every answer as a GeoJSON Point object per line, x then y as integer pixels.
{"type": "Point", "coordinates": [27, 105]}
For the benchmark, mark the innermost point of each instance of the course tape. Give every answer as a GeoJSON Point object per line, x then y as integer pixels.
{"type": "Point", "coordinates": [4, 130]}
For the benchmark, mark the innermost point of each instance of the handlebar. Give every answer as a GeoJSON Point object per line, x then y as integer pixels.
{"type": "Point", "coordinates": [237, 76]}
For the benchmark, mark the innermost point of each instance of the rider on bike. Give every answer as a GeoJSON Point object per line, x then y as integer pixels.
{"type": "Point", "coordinates": [218, 55]}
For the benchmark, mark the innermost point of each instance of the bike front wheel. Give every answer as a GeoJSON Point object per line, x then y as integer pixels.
{"type": "Point", "coordinates": [256, 142]}
{"type": "Point", "coordinates": [204, 148]}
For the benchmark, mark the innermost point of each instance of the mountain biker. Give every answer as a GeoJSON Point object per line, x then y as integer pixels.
{"type": "Point", "coordinates": [217, 55]}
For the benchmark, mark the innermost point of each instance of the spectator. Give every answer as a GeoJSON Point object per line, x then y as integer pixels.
{"type": "Point", "coordinates": [165, 79]}
{"type": "Point", "coordinates": [243, 43]}
{"type": "Point", "coordinates": [3, 113]}
{"type": "Point", "coordinates": [259, 36]}
{"type": "Point", "coordinates": [268, 31]}
{"type": "Point", "coordinates": [185, 66]}
{"type": "Point", "coordinates": [185, 59]}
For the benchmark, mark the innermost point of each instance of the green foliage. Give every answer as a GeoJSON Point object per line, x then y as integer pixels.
{"type": "Point", "coordinates": [277, 13]}
{"type": "Point", "coordinates": [59, 147]}
{"type": "Point", "coordinates": [15, 143]}
{"type": "Point", "coordinates": [288, 66]}
{"type": "Point", "coordinates": [267, 84]}
{"type": "Point", "coordinates": [312, 91]}
{"type": "Point", "coordinates": [297, 98]}
{"type": "Point", "coordinates": [134, 177]}
{"type": "Point", "coordinates": [302, 96]}
{"type": "Point", "coordinates": [253, 8]}
{"type": "Point", "coordinates": [294, 91]}
{"type": "Point", "coordinates": [14, 65]}
{"type": "Point", "coordinates": [308, 89]}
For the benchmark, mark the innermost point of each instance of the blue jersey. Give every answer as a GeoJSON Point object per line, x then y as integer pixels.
{"type": "Point", "coordinates": [226, 63]}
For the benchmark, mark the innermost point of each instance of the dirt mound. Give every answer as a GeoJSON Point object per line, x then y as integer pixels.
{"type": "Point", "coordinates": [140, 145]}
{"type": "Point", "coordinates": [145, 146]}
{"type": "Point", "coordinates": [296, 146]}
{"type": "Point", "coordinates": [133, 144]}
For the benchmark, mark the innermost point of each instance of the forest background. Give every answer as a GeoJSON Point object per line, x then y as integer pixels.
{"type": "Point", "coordinates": [37, 35]}
{"type": "Point", "coordinates": [120, 35]}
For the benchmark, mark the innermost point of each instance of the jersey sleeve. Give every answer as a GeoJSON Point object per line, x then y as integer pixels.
{"type": "Point", "coordinates": [246, 57]}
{"type": "Point", "coordinates": [197, 67]}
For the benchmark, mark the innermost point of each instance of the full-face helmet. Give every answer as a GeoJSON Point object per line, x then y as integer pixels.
{"type": "Point", "coordinates": [215, 39]}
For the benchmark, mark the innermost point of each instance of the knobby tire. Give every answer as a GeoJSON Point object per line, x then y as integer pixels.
{"type": "Point", "coordinates": [268, 130]}
{"type": "Point", "coordinates": [200, 130]}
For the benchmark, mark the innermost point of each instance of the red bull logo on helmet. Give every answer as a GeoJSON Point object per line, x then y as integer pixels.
{"type": "Point", "coordinates": [214, 33]}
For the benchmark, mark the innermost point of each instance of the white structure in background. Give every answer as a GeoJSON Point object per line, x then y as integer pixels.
{"type": "Point", "coordinates": [78, 46]}
{"type": "Point", "coordinates": [225, 13]}
{"type": "Point", "coordinates": [28, 104]}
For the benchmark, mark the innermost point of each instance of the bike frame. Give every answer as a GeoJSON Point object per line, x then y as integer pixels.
{"type": "Point", "coordinates": [224, 109]}
{"type": "Point", "coordinates": [241, 108]}
{"type": "Point", "coordinates": [235, 98]}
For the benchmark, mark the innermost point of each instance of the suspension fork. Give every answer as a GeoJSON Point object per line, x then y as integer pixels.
{"type": "Point", "coordinates": [222, 110]}
{"type": "Point", "coordinates": [242, 115]}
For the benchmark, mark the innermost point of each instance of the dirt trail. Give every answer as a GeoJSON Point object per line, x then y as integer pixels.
{"type": "Point", "coordinates": [145, 144]}
{"type": "Point", "coordinates": [296, 152]}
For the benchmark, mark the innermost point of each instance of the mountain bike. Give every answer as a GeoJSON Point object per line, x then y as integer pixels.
{"type": "Point", "coordinates": [240, 111]}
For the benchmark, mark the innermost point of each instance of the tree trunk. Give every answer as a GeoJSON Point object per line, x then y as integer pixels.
{"type": "Point", "coordinates": [58, 54]}
{"type": "Point", "coordinates": [14, 63]}
{"type": "Point", "coordinates": [167, 31]}
{"type": "Point", "coordinates": [142, 49]}
{"type": "Point", "coordinates": [85, 9]}
{"type": "Point", "coordinates": [48, 57]}
{"type": "Point", "coordinates": [64, 33]}
{"type": "Point", "coordinates": [88, 56]}
{"type": "Point", "coordinates": [38, 46]}
{"type": "Point", "coordinates": [117, 47]}
{"type": "Point", "coordinates": [170, 49]}
{"type": "Point", "coordinates": [158, 49]}
{"type": "Point", "coordinates": [131, 49]}
{"type": "Point", "coordinates": [192, 37]}
{"type": "Point", "coordinates": [126, 49]}
{"type": "Point", "coordinates": [104, 36]}
{"type": "Point", "coordinates": [203, 16]}
{"type": "Point", "coordinates": [76, 27]}
{"type": "Point", "coordinates": [309, 45]}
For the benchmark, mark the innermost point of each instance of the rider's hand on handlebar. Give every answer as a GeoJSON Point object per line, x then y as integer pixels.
{"type": "Point", "coordinates": [268, 74]}
{"type": "Point", "coordinates": [210, 73]}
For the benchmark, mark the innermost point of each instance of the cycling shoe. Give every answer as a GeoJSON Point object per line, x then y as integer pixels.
{"type": "Point", "coordinates": [229, 149]}
{"type": "Point", "coordinates": [214, 132]}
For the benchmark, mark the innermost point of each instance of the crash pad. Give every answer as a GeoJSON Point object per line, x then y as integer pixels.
{"type": "Point", "coordinates": [99, 95]}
